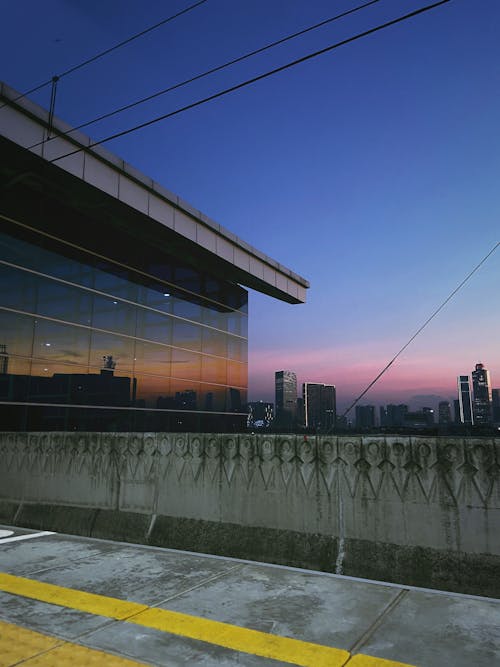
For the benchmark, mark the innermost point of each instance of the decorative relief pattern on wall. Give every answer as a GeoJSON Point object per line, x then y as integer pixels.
{"type": "Point", "coordinates": [415, 469]}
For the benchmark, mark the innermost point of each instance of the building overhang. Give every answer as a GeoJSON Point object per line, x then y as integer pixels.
{"type": "Point", "coordinates": [94, 179]}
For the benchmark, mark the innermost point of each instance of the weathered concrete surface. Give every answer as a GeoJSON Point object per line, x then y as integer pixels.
{"type": "Point", "coordinates": [415, 627]}
{"type": "Point", "coordinates": [415, 510]}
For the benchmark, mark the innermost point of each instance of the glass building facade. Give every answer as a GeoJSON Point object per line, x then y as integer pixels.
{"type": "Point", "coordinates": [114, 335]}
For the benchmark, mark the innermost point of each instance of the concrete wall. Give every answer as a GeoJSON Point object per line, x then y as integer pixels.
{"type": "Point", "coordinates": [416, 510]}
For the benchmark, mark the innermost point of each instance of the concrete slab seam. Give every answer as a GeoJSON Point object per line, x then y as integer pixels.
{"type": "Point", "coordinates": [245, 640]}
{"type": "Point", "coordinates": [379, 620]}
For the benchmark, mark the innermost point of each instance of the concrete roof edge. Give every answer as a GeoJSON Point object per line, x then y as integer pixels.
{"type": "Point", "coordinates": [100, 152]}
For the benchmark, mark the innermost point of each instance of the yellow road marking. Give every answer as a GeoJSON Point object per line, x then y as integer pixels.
{"type": "Point", "coordinates": [69, 597]}
{"type": "Point", "coordinates": [33, 649]}
{"type": "Point", "coordinates": [246, 640]}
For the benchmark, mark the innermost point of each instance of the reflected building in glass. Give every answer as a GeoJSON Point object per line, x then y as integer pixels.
{"type": "Point", "coordinates": [121, 307]}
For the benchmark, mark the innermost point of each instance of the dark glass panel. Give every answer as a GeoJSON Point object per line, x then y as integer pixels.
{"type": "Point", "coordinates": [17, 289]}
{"type": "Point", "coordinates": [114, 280]}
{"type": "Point", "coordinates": [153, 392]}
{"type": "Point", "coordinates": [188, 279]}
{"type": "Point", "coordinates": [237, 348]}
{"type": "Point", "coordinates": [186, 334]}
{"type": "Point", "coordinates": [63, 301]}
{"type": "Point", "coordinates": [14, 379]}
{"type": "Point", "coordinates": [186, 395]}
{"type": "Point", "coordinates": [185, 364]}
{"type": "Point", "coordinates": [154, 326]}
{"type": "Point", "coordinates": [159, 298]}
{"type": "Point", "coordinates": [214, 318]}
{"type": "Point", "coordinates": [235, 399]}
{"type": "Point", "coordinates": [111, 352]}
{"type": "Point", "coordinates": [61, 342]}
{"type": "Point", "coordinates": [152, 358]}
{"type": "Point", "coordinates": [114, 315]}
{"type": "Point", "coordinates": [187, 309]}
{"type": "Point", "coordinates": [58, 383]}
{"type": "Point", "coordinates": [237, 374]}
{"type": "Point", "coordinates": [214, 369]}
{"type": "Point", "coordinates": [212, 398]}
{"type": "Point", "coordinates": [237, 324]}
{"type": "Point", "coordinates": [214, 342]}
{"type": "Point", "coordinates": [16, 333]}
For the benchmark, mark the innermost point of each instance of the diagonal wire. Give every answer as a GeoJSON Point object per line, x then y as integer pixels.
{"type": "Point", "coordinates": [254, 79]}
{"type": "Point", "coordinates": [112, 48]}
{"type": "Point", "coordinates": [421, 328]}
{"type": "Point", "coordinates": [218, 68]}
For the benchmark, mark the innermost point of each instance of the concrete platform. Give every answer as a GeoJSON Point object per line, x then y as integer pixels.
{"type": "Point", "coordinates": [163, 607]}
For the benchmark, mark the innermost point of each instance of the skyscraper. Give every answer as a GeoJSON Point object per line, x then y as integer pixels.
{"type": "Point", "coordinates": [495, 404]}
{"type": "Point", "coordinates": [365, 416]}
{"type": "Point", "coordinates": [481, 388]}
{"type": "Point", "coordinates": [465, 399]}
{"type": "Point", "coordinates": [319, 405]}
{"type": "Point", "coordinates": [285, 383]}
{"type": "Point", "coordinates": [444, 412]}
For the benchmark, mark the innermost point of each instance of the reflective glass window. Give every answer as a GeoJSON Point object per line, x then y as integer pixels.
{"type": "Point", "coordinates": [17, 289]}
{"type": "Point", "coordinates": [61, 342]}
{"type": "Point", "coordinates": [117, 282]}
{"type": "Point", "coordinates": [114, 315]}
{"type": "Point", "coordinates": [237, 374]}
{"type": "Point", "coordinates": [112, 352]}
{"type": "Point", "coordinates": [212, 398]}
{"type": "Point", "coordinates": [14, 378]}
{"type": "Point", "coordinates": [186, 395]}
{"type": "Point", "coordinates": [16, 333]}
{"type": "Point", "coordinates": [237, 323]}
{"type": "Point", "coordinates": [151, 358]}
{"type": "Point", "coordinates": [153, 392]}
{"type": "Point", "coordinates": [185, 364]}
{"type": "Point", "coordinates": [187, 309]}
{"type": "Point", "coordinates": [214, 342]}
{"type": "Point", "coordinates": [63, 301]}
{"type": "Point", "coordinates": [213, 369]}
{"type": "Point", "coordinates": [236, 348]}
{"type": "Point", "coordinates": [160, 298]}
{"type": "Point", "coordinates": [154, 326]}
{"type": "Point", "coordinates": [186, 334]}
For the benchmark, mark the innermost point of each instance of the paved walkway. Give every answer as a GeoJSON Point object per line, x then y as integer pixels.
{"type": "Point", "coordinates": [75, 601]}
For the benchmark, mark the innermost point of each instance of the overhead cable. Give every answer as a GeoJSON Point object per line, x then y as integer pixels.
{"type": "Point", "coordinates": [254, 79]}
{"type": "Point", "coordinates": [421, 328]}
{"type": "Point", "coordinates": [218, 68]}
{"type": "Point", "coordinates": [92, 59]}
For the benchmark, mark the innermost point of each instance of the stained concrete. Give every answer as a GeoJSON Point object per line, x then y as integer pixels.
{"type": "Point", "coordinates": [415, 626]}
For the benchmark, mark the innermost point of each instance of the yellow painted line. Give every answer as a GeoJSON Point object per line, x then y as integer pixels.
{"type": "Point", "coordinates": [236, 638]}
{"type": "Point", "coordinates": [360, 660]}
{"type": "Point", "coordinates": [68, 597]}
{"type": "Point", "coordinates": [34, 649]}
{"type": "Point", "coordinates": [246, 640]}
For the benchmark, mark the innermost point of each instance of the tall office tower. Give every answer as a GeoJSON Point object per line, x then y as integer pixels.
{"type": "Point", "coordinates": [495, 405]}
{"type": "Point", "coordinates": [429, 416]}
{"type": "Point", "coordinates": [465, 399]}
{"type": "Point", "coordinates": [456, 411]}
{"type": "Point", "coordinates": [444, 412]}
{"type": "Point", "coordinates": [285, 384]}
{"type": "Point", "coordinates": [365, 416]}
{"type": "Point", "coordinates": [319, 405]}
{"type": "Point", "coordinates": [481, 388]}
{"type": "Point", "coordinates": [394, 415]}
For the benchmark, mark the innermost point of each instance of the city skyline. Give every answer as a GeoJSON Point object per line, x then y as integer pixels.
{"type": "Point", "coordinates": [371, 170]}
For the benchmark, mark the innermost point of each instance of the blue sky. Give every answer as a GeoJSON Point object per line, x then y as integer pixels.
{"type": "Point", "coordinates": [373, 170]}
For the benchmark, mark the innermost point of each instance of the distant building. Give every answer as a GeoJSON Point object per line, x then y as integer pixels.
{"type": "Point", "coordinates": [465, 399]}
{"type": "Point", "coordinates": [495, 405]}
{"type": "Point", "coordinates": [319, 405]}
{"type": "Point", "coordinates": [444, 412]}
{"type": "Point", "coordinates": [393, 415]}
{"type": "Point", "coordinates": [260, 414]}
{"type": "Point", "coordinates": [285, 383]}
{"type": "Point", "coordinates": [419, 419]}
{"type": "Point", "coordinates": [481, 389]}
{"type": "Point", "coordinates": [456, 411]}
{"type": "Point", "coordinates": [365, 416]}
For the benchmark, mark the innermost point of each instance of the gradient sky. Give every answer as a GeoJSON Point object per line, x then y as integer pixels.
{"type": "Point", "coordinates": [373, 171]}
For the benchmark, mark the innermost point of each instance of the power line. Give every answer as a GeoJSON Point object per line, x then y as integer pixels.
{"type": "Point", "coordinates": [92, 59]}
{"type": "Point", "coordinates": [218, 68]}
{"type": "Point", "coordinates": [254, 79]}
{"type": "Point", "coordinates": [421, 328]}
